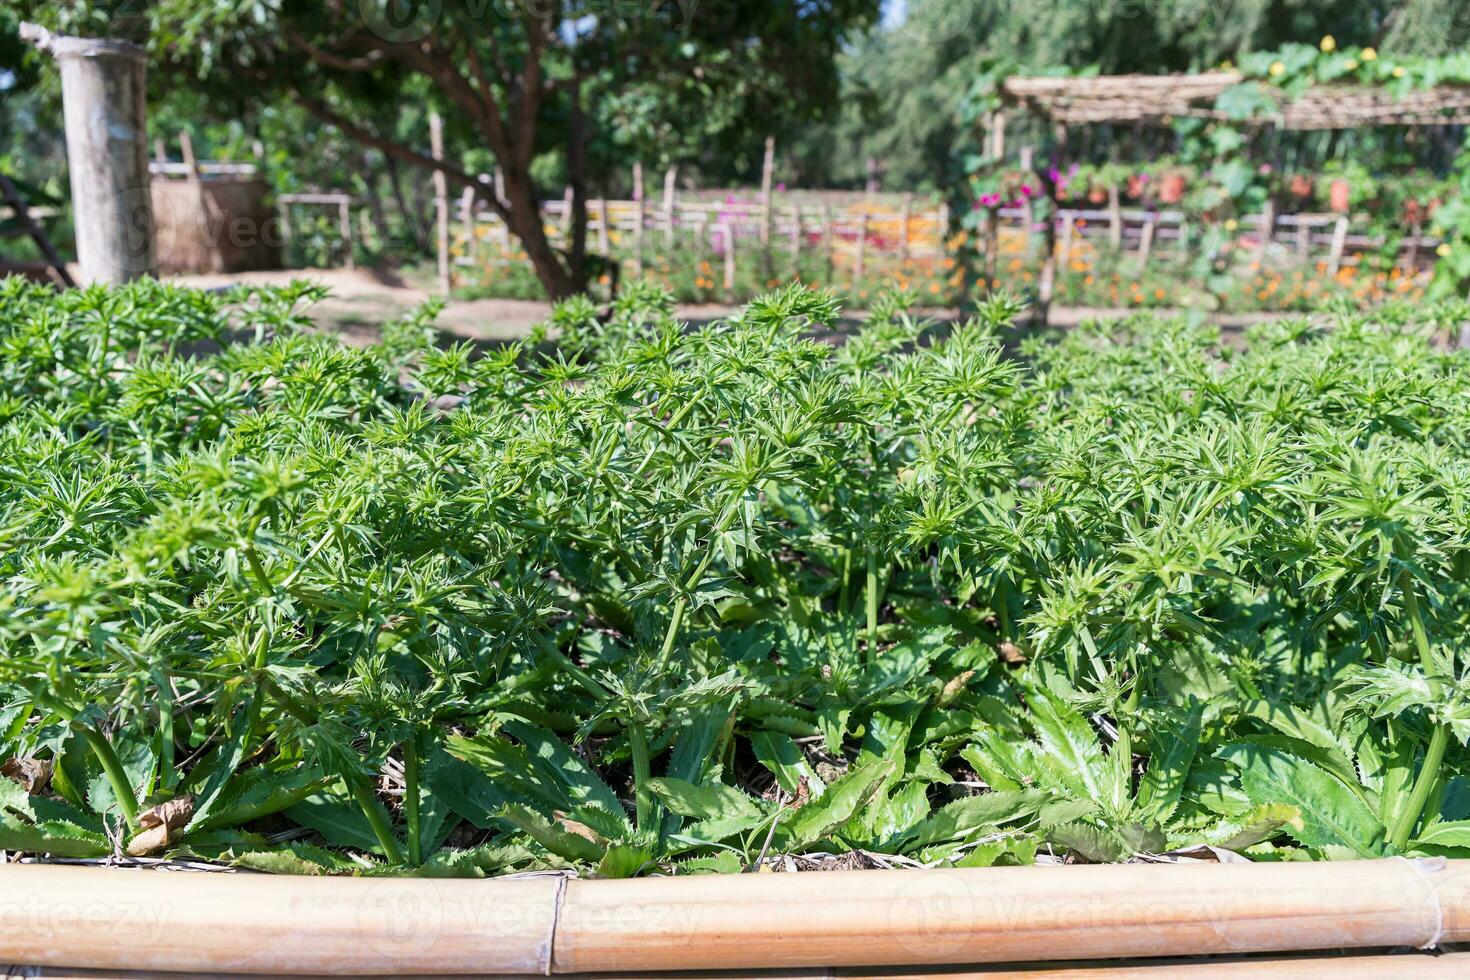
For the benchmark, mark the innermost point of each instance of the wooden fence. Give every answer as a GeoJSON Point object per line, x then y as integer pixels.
{"type": "Point", "coordinates": [1146, 234]}
{"type": "Point", "coordinates": [733, 231]}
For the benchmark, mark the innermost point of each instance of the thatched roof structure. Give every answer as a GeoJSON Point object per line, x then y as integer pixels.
{"type": "Point", "coordinates": [1159, 98]}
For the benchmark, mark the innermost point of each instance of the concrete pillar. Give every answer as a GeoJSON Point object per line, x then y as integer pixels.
{"type": "Point", "coordinates": [103, 97]}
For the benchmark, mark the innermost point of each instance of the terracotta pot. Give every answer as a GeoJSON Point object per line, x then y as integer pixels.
{"type": "Point", "coordinates": [1301, 186]}
{"type": "Point", "coordinates": [1339, 195]}
{"type": "Point", "coordinates": [1136, 184]}
{"type": "Point", "coordinates": [1171, 188]}
{"type": "Point", "coordinates": [1097, 195]}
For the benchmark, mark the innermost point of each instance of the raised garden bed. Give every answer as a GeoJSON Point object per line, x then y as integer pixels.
{"type": "Point", "coordinates": [642, 601]}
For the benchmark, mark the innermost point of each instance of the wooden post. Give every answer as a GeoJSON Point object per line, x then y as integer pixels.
{"type": "Point", "coordinates": [1146, 240]}
{"type": "Point", "coordinates": [870, 186]}
{"type": "Point", "coordinates": [467, 218]}
{"type": "Point", "coordinates": [862, 251]}
{"type": "Point", "coordinates": [828, 258]}
{"type": "Point", "coordinates": [186, 150]}
{"type": "Point", "coordinates": [700, 222]}
{"type": "Point", "coordinates": [441, 201]}
{"type": "Point", "coordinates": [671, 176]}
{"type": "Point", "coordinates": [796, 240]}
{"type": "Point", "coordinates": [566, 217]}
{"type": "Point", "coordinates": [727, 233]}
{"type": "Point", "coordinates": [344, 229]}
{"type": "Point", "coordinates": [1069, 223]}
{"type": "Point", "coordinates": [638, 217]}
{"type": "Point", "coordinates": [992, 246]}
{"type": "Point", "coordinates": [160, 151]}
{"type": "Point", "coordinates": [603, 238]}
{"type": "Point", "coordinates": [365, 229]}
{"type": "Point", "coordinates": [1339, 242]}
{"type": "Point", "coordinates": [768, 166]}
{"type": "Point", "coordinates": [1115, 218]}
{"type": "Point", "coordinates": [999, 143]}
{"type": "Point", "coordinates": [1303, 239]}
{"type": "Point", "coordinates": [1268, 227]}
{"type": "Point", "coordinates": [903, 232]}
{"type": "Point", "coordinates": [1411, 262]}
{"type": "Point", "coordinates": [1046, 286]}
{"type": "Point", "coordinates": [103, 83]}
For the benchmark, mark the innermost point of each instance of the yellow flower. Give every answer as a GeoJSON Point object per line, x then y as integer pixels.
{"type": "Point", "coordinates": [1351, 64]}
{"type": "Point", "coordinates": [1398, 71]}
{"type": "Point", "coordinates": [1277, 69]}
{"type": "Point", "coordinates": [1329, 43]}
{"type": "Point", "coordinates": [1443, 250]}
{"type": "Point", "coordinates": [1231, 224]}
{"type": "Point", "coordinates": [1370, 55]}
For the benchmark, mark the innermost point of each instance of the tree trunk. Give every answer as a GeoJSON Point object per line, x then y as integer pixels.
{"type": "Point", "coordinates": [577, 181]}
{"type": "Point", "coordinates": [526, 224]}
{"type": "Point", "coordinates": [370, 177]}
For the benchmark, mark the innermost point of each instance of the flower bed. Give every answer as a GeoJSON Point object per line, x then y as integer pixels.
{"type": "Point", "coordinates": [653, 600]}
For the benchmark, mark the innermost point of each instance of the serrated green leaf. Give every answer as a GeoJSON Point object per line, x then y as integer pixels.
{"type": "Point", "coordinates": [1330, 812]}
{"type": "Point", "coordinates": [972, 814]}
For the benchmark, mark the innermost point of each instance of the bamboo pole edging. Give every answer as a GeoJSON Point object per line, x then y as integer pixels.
{"type": "Point", "coordinates": [1318, 966]}
{"type": "Point", "coordinates": [77, 917]}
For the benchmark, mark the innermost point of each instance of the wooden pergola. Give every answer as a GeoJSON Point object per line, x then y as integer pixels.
{"type": "Point", "coordinates": [1158, 99]}
{"type": "Point", "coordinates": [1066, 101]}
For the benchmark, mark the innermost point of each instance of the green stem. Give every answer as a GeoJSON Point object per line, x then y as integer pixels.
{"type": "Point", "coordinates": [1439, 739]}
{"type": "Point", "coordinates": [361, 793]}
{"type": "Point", "coordinates": [411, 800]}
{"type": "Point", "coordinates": [257, 568]}
{"type": "Point", "coordinates": [166, 768]}
{"type": "Point", "coordinates": [872, 603]}
{"type": "Point", "coordinates": [676, 622]}
{"type": "Point", "coordinates": [642, 773]}
{"type": "Point", "coordinates": [1424, 784]}
{"type": "Point", "coordinates": [376, 817]}
{"type": "Point", "coordinates": [117, 777]}
{"type": "Point", "coordinates": [846, 581]}
{"type": "Point", "coordinates": [590, 683]}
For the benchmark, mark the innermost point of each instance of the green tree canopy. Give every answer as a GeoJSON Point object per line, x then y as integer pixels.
{"type": "Point", "coordinates": [525, 79]}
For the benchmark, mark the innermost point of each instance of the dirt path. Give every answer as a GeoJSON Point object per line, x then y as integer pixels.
{"type": "Point", "coordinates": [361, 300]}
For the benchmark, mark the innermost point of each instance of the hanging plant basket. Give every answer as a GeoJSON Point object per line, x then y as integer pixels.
{"type": "Point", "coordinates": [1172, 188]}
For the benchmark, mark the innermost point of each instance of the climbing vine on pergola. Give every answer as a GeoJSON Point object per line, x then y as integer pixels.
{"type": "Point", "coordinates": [1298, 88]}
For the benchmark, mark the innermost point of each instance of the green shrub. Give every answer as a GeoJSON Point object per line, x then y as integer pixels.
{"type": "Point", "coordinates": [648, 597]}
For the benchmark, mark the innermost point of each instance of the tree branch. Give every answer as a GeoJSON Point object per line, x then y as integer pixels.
{"type": "Point", "coordinates": [321, 56]}
{"type": "Point", "coordinates": [393, 148]}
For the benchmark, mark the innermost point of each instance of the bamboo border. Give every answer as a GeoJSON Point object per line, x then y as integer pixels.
{"type": "Point", "coordinates": [1340, 966]}
{"type": "Point", "coordinates": [71, 917]}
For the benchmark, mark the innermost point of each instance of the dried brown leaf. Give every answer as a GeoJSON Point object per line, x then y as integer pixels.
{"type": "Point", "coordinates": [160, 824]}
{"type": "Point", "coordinates": [574, 827]}
{"type": "Point", "coordinates": [34, 775]}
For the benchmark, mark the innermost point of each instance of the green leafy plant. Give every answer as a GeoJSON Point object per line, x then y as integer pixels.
{"type": "Point", "coordinates": [630, 597]}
